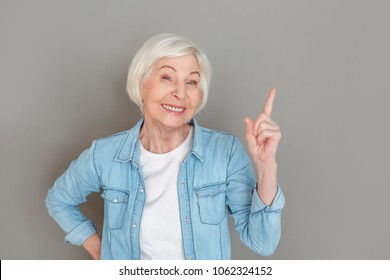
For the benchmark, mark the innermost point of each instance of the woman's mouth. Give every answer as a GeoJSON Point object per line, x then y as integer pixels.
{"type": "Point", "coordinates": [173, 108]}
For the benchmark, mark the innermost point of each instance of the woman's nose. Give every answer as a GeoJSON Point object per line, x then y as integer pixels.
{"type": "Point", "coordinates": [179, 91]}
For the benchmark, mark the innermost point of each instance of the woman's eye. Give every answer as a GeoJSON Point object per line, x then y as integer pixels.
{"type": "Point", "coordinates": [192, 83]}
{"type": "Point", "coordinates": [166, 77]}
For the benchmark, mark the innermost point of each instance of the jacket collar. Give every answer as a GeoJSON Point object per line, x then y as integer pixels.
{"type": "Point", "coordinates": [129, 148]}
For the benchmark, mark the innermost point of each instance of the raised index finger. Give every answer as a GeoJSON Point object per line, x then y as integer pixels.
{"type": "Point", "coordinates": [269, 102]}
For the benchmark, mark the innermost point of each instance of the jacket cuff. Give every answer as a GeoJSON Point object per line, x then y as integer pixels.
{"type": "Point", "coordinates": [276, 206]}
{"type": "Point", "coordinates": [78, 235]}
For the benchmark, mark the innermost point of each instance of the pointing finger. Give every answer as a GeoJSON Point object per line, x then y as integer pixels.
{"type": "Point", "coordinates": [269, 102]}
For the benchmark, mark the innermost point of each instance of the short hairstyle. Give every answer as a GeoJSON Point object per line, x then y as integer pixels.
{"type": "Point", "coordinates": [160, 46]}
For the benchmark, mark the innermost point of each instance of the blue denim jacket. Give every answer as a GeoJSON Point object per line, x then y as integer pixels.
{"type": "Point", "coordinates": [215, 177]}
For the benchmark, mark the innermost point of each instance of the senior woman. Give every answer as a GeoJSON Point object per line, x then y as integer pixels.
{"type": "Point", "coordinates": [168, 183]}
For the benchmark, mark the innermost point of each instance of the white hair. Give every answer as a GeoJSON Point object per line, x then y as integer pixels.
{"type": "Point", "coordinates": [164, 46]}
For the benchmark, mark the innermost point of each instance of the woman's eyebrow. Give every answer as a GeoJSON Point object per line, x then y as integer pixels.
{"type": "Point", "coordinates": [194, 72]}
{"type": "Point", "coordinates": [167, 66]}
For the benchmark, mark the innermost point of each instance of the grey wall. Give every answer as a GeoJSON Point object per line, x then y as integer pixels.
{"type": "Point", "coordinates": [63, 67]}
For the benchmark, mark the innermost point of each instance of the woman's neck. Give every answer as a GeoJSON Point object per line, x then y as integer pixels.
{"type": "Point", "coordinates": [161, 140]}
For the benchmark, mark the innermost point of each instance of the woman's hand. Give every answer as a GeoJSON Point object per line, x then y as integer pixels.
{"type": "Point", "coordinates": [263, 136]}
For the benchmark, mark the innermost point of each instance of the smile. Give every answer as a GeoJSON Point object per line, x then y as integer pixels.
{"type": "Point", "coordinates": [172, 108]}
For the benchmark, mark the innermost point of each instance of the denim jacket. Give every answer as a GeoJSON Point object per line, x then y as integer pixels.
{"type": "Point", "coordinates": [215, 178]}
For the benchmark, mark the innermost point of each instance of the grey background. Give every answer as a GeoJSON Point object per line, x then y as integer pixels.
{"type": "Point", "coordinates": [63, 67]}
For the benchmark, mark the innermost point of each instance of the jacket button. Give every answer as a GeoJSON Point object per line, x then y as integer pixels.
{"type": "Point", "coordinates": [115, 200]}
{"type": "Point", "coordinates": [134, 225]}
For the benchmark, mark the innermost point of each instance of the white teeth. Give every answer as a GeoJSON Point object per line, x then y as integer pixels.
{"type": "Point", "coordinates": [171, 108]}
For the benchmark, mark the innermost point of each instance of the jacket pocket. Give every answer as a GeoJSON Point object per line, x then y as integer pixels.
{"type": "Point", "coordinates": [115, 207]}
{"type": "Point", "coordinates": [211, 203]}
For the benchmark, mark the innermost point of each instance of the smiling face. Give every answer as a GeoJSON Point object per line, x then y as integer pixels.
{"type": "Point", "coordinates": [171, 93]}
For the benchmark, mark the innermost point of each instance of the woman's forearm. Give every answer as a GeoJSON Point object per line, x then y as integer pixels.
{"type": "Point", "coordinates": [267, 183]}
{"type": "Point", "coordinates": [93, 246]}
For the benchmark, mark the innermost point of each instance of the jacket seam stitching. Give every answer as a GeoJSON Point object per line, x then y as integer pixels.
{"type": "Point", "coordinates": [94, 162]}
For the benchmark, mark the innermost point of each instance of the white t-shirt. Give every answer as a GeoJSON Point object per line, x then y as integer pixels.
{"type": "Point", "coordinates": [160, 232]}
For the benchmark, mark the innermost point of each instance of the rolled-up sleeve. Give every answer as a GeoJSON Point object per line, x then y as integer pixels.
{"type": "Point", "coordinates": [258, 225]}
{"type": "Point", "coordinates": [69, 191]}
{"type": "Point", "coordinates": [276, 206]}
